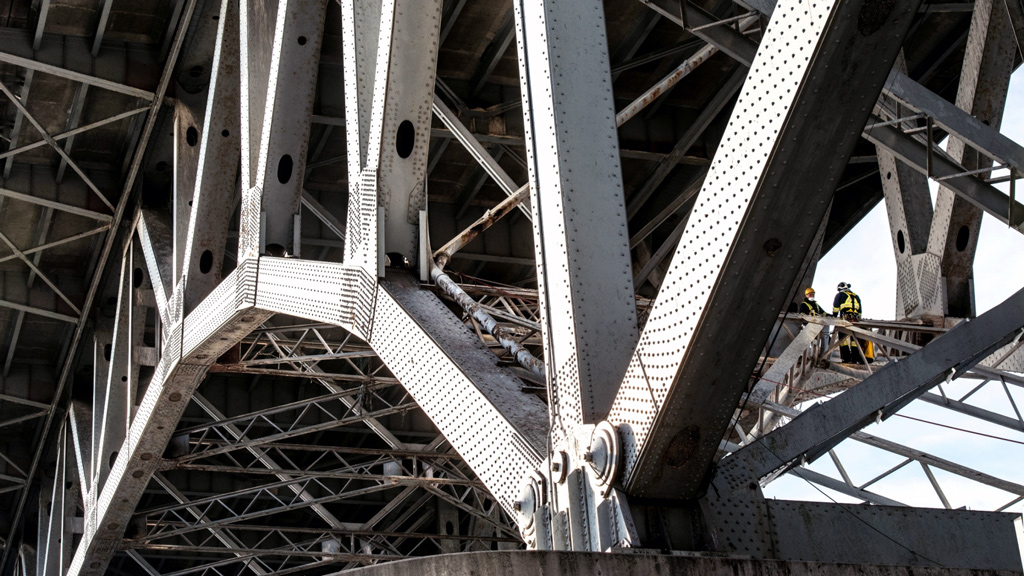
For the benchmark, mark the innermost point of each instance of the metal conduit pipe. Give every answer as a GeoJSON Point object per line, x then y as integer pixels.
{"type": "Point", "coordinates": [445, 253]}
{"type": "Point", "coordinates": [521, 354]}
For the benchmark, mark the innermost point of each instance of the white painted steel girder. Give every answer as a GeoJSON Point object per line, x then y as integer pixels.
{"type": "Point", "coordinates": [280, 48]}
{"type": "Point", "coordinates": [361, 27]}
{"type": "Point", "coordinates": [984, 81]}
{"type": "Point", "coordinates": [909, 209]}
{"type": "Point", "coordinates": [748, 235]}
{"type": "Point", "coordinates": [188, 124]}
{"type": "Point", "coordinates": [155, 237]}
{"type": "Point", "coordinates": [388, 104]}
{"type": "Point", "coordinates": [405, 119]}
{"type": "Point", "coordinates": [218, 154]}
{"type": "Point", "coordinates": [500, 431]}
{"type": "Point", "coordinates": [584, 272]}
{"type": "Point", "coordinates": [367, 27]}
{"type": "Point", "coordinates": [113, 419]}
{"type": "Point", "coordinates": [193, 344]}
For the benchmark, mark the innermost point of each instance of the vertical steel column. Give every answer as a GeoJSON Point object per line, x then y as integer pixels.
{"type": "Point", "coordinates": [56, 548]}
{"type": "Point", "coordinates": [102, 347]}
{"type": "Point", "coordinates": [280, 48]}
{"type": "Point", "coordinates": [113, 418]}
{"type": "Point", "coordinates": [388, 134]}
{"type": "Point", "coordinates": [139, 354]}
{"type": "Point", "coordinates": [217, 169]}
{"type": "Point", "coordinates": [984, 80]}
{"type": "Point", "coordinates": [404, 122]}
{"type": "Point", "coordinates": [363, 24]}
{"type": "Point", "coordinates": [908, 205]}
{"type": "Point", "coordinates": [157, 243]}
{"type": "Point", "coordinates": [188, 113]}
{"type": "Point", "coordinates": [580, 236]}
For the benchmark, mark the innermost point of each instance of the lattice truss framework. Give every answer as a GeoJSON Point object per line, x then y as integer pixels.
{"type": "Point", "coordinates": [334, 283]}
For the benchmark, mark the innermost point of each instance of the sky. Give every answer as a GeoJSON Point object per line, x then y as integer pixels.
{"type": "Point", "coordinates": [998, 273]}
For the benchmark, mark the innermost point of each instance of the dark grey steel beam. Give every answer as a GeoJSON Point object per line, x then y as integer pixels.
{"type": "Point", "coordinates": [754, 227]}
{"type": "Point", "coordinates": [973, 190]}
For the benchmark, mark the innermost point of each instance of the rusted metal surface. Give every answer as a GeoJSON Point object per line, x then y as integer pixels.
{"type": "Point", "coordinates": [444, 253]}
{"type": "Point", "coordinates": [486, 321]}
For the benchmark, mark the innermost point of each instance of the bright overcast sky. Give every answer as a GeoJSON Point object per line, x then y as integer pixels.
{"type": "Point", "coordinates": [865, 259]}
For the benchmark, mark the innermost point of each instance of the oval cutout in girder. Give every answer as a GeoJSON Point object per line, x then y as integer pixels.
{"type": "Point", "coordinates": [284, 169]}
{"type": "Point", "coordinates": [192, 136]}
{"type": "Point", "coordinates": [137, 277]}
{"type": "Point", "coordinates": [900, 242]}
{"type": "Point", "coordinates": [205, 261]}
{"type": "Point", "coordinates": [405, 139]}
{"type": "Point", "coordinates": [963, 236]}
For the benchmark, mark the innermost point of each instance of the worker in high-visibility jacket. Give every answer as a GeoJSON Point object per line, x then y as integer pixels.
{"type": "Point", "coordinates": [809, 306]}
{"type": "Point", "coordinates": [846, 305]}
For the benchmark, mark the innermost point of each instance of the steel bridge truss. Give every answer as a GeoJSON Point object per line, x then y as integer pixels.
{"type": "Point", "coordinates": [575, 415]}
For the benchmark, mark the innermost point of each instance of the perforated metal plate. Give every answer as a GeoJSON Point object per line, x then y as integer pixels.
{"type": "Point", "coordinates": [765, 101]}
{"type": "Point", "coordinates": [500, 431]}
{"type": "Point", "coordinates": [749, 232]}
{"type": "Point", "coordinates": [335, 293]}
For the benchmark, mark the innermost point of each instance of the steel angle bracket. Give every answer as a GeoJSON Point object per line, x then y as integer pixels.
{"type": "Point", "coordinates": [764, 197]}
{"type": "Point", "coordinates": [192, 345]}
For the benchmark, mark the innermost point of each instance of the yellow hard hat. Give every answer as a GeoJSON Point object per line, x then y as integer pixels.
{"type": "Point", "coordinates": [808, 291]}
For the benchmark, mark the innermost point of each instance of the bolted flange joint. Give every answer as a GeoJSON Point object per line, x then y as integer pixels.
{"type": "Point", "coordinates": [604, 455]}
{"type": "Point", "coordinates": [532, 497]}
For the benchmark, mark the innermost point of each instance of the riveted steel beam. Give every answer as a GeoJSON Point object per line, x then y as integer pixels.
{"type": "Point", "coordinates": [216, 167]}
{"type": "Point", "coordinates": [398, 317]}
{"type": "Point", "coordinates": [580, 233]}
{"type": "Point", "coordinates": [760, 232]}
{"type": "Point", "coordinates": [280, 45]}
{"type": "Point", "coordinates": [224, 318]}
{"type": "Point", "coordinates": [984, 81]}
